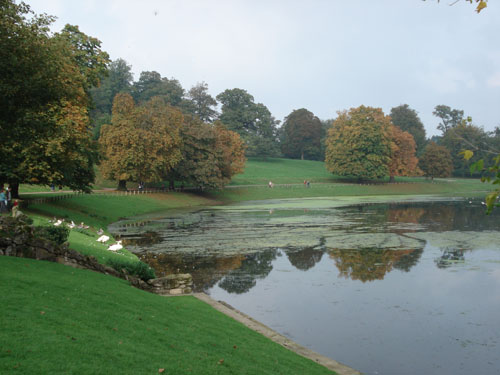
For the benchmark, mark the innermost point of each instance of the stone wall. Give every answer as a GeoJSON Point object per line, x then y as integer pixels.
{"type": "Point", "coordinates": [17, 239]}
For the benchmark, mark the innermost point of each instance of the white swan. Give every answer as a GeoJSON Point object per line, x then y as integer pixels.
{"type": "Point", "coordinates": [116, 246]}
{"type": "Point", "coordinates": [58, 222]}
{"type": "Point", "coordinates": [103, 238]}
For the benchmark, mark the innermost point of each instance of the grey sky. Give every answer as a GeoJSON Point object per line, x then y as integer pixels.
{"type": "Point", "coordinates": [316, 54]}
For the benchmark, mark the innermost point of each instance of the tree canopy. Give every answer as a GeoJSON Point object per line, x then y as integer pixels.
{"type": "Point", "coordinates": [44, 108]}
{"type": "Point", "coordinates": [407, 120]}
{"type": "Point", "coordinates": [403, 159]}
{"type": "Point", "coordinates": [142, 143]}
{"type": "Point", "coordinates": [449, 117]}
{"type": "Point", "coordinates": [359, 144]}
{"type": "Point", "coordinates": [436, 161]}
{"type": "Point", "coordinates": [301, 136]}
{"type": "Point", "coordinates": [252, 121]}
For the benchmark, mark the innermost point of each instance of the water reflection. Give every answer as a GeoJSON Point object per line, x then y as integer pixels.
{"type": "Point", "coordinates": [354, 283]}
{"type": "Point", "coordinates": [372, 264]}
{"type": "Point", "coordinates": [304, 259]}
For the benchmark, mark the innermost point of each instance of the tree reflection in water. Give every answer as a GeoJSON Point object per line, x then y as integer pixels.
{"type": "Point", "coordinates": [255, 266]}
{"type": "Point", "coordinates": [304, 259]}
{"type": "Point", "coordinates": [450, 257]}
{"type": "Point", "coordinates": [372, 264]}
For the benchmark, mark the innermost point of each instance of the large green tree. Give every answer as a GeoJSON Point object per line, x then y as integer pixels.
{"type": "Point", "coordinates": [407, 120]}
{"type": "Point", "coordinates": [466, 136]}
{"type": "Point", "coordinates": [202, 103]}
{"type": "Point", "coordinates": [43, 111]}
{"type": "Point", "coordinates": [301, 136]}
{"type": "Point", "coordinates": [142, 143]}
{"type": "Point", "coordinates": [449, 117]}
{"type": "Point", "coordinates": [436, 161]}
{"type": "Point", "coordinates": [119, 79]}
{"type": "Point", "coordinates": [151, 84]}
{"type": "Point", "coordinates": [359, 144]}
{"type": "Point", "coordinates": [252, 121]}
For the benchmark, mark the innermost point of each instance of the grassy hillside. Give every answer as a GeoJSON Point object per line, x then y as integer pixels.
{"type": "Point", "coordinates": [57, 319]}
{"type": "Point", "coordinates": [282, 171]}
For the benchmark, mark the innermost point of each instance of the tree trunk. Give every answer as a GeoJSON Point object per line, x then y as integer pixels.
{"type": "Point", "coordinates": [172, 184]}
{"type": "Point", "coordinates": [391, 178]}
{"type": "Point", "coordinates": [122, 185]}
{"type": "Point", "coordinates": [302, 155]}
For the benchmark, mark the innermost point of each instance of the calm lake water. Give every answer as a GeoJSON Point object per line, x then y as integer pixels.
{"type": "Point", "coordinates": [384, 287]}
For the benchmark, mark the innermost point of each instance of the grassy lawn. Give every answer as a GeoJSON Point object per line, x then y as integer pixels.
{"type": "Point", "coordinates": [57, 319]}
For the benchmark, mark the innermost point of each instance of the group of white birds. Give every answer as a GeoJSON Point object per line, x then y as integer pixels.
{"type": "Point", "coordinates": [102, 239]}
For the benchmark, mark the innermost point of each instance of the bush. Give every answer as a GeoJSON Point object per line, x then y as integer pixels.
{"type": "Point", "coordinates": [138, 269]}
{"type": "Point", "coordinates": [59, 235]}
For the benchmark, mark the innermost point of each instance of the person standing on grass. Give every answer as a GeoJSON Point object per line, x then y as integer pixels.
{"type": "Point", "coordinates": [3, 201]}
{"type": "Point", "coordinates": [9, 198]}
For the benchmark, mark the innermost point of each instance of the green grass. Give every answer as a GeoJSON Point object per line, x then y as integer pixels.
{"type": "Point", "coordinates": [98, 210]}
{"type": "Point", "coordinates": [57, 319]}
{"type": "Point", "coordinates": [464, 187]}
{"type": "Point", "coordinates": [282, 171]}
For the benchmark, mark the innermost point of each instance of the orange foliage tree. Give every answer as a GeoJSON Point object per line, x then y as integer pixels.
{"type": "Point", "coordinates": [142, 143]}
{"type": "Point", "coordinates": [403, 159]}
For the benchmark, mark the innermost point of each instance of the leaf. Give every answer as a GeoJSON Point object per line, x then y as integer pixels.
{"type": "Point", "coordinates": [481, 6]}
{"type": "Point", "coordinates": [467, 154]}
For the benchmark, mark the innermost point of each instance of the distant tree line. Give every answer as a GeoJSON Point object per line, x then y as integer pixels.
{"type": "Point", "coordinates": [67, 107]}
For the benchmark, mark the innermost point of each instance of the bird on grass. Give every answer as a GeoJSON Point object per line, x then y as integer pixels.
{"type": "Point", "coordinates": [100, 232]}
{"type": "Point", "coordinates": [72, 225]}
{"type": "Point", "coordinates": [116, 246]}
{"type": "Point", "coordinates": [103, 239]}
{"type": "Point", "coordinates": [83, 226]}
{"type": "Point", "coordinates": [58, 222]}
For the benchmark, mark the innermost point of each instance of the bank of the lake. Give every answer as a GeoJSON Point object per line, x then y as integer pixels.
{"type": "Point", "coordinates": [56, 319]}
{"type": "Point", "coordinates": [45, 296]}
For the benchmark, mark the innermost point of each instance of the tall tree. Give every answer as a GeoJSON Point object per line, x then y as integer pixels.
{"type": "Point", "coordinates": [211, 155]}
{"type": "Point", "coordinates": [252, 121]}
{"type": "Point", "coordinates": [203, 103]}
{"type": "Point", "coordinates": [119, 79]}
{"type": "Point", "coordinates": [152, 84]}
{"type": "Point", "coordinates": [436, 161]}
{"type": "Point", "coordinates": [87, 54]}
{"type": "Point", "coordinates": [302, 135]}
{"type": "Point", "coordinates": [142, 143]}
{"type": "Point", "coordinates": [359, 144]}
{"type": "Point", "coordinates": [407, 120]}
{"type": "Point", "coordinates": [403, 159]}
{"type": "Point", "coordinates": [43, 111]}
{"type": "Point", "coordinates": [466, 136]}
{"type": "Point", "coordinates": [449, 117]}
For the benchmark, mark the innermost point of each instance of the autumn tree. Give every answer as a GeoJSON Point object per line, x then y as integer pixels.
{"type": "Point", "coordinates": [359, 144]}
{"type": "Point", "coordinates": [403, 159]}
{"type": "Point", "coordinates": [210, 155]}
{"type": "Point", "coordinates": [252, 121]}
{"type": "Point", "coordinates": [142, 143]}
{"type": "Point", "coordinates": [436, 161]}
{"type": "Point", "coordinates": [449, 117]}
{"type": "Point", "coordinates": [407, 120]}
{"type": "Point", "coordinates": [301, 135]}
{"type": "Point", "coordinates": [44, 107]}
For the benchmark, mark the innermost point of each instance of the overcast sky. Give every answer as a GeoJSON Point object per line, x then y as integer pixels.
{"type": "Point", "coordinates": [323, 55]}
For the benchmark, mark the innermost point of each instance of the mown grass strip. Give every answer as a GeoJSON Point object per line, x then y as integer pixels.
{"type": "Point", "coordinates": [57, 319]}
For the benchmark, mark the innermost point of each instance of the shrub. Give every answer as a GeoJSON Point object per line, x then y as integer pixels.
{"type": "Point", "coordinates": [138, 269]}
{"type": "Point", "coordinates": [59, 235]}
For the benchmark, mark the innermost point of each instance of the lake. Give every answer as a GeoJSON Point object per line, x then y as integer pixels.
{"type": "Point", "coordinates": [383, 286]}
